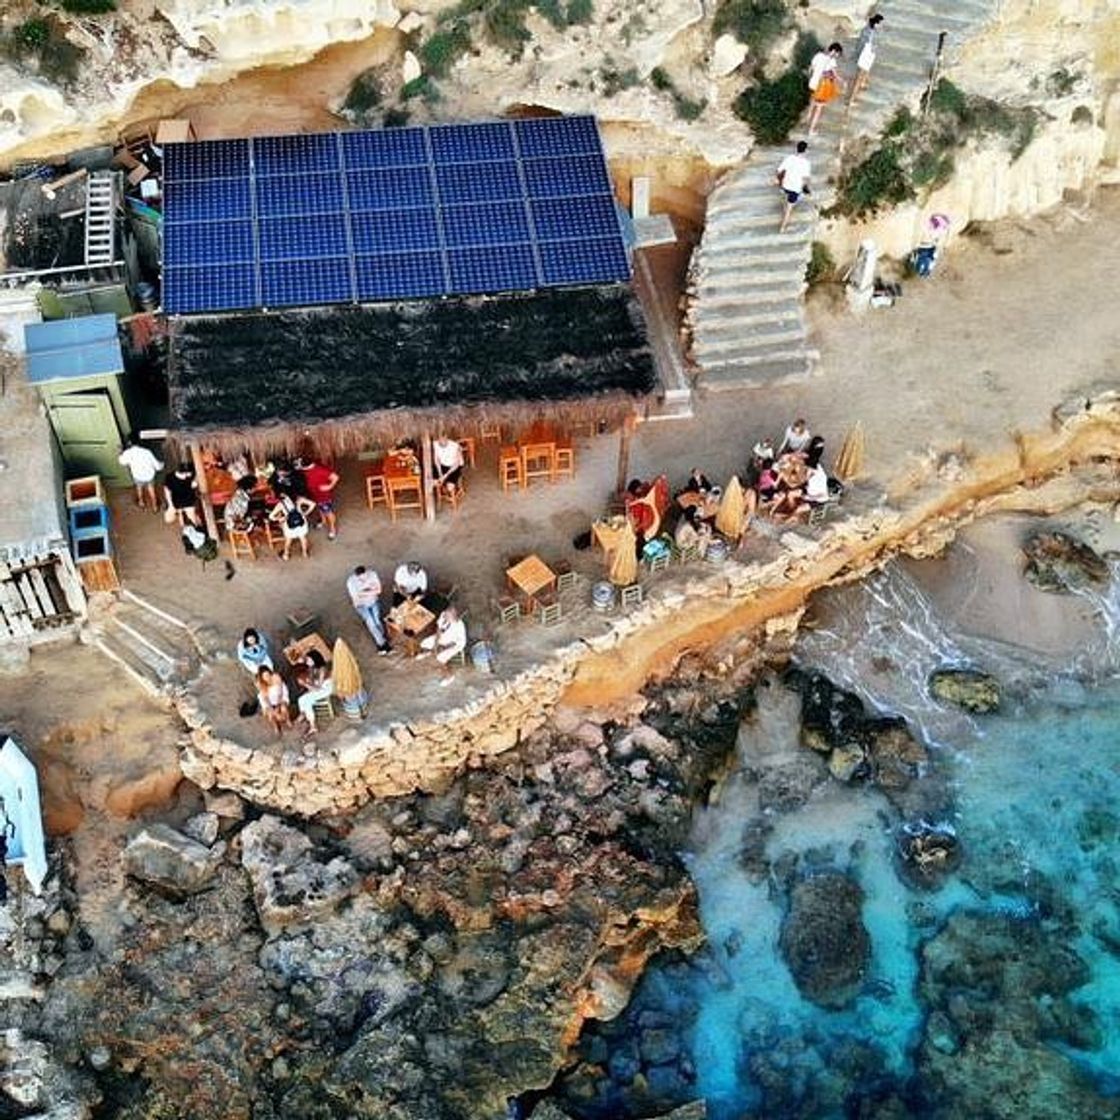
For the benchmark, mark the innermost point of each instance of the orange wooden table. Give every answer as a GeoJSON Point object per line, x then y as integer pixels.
{"type": "Point", "coordinates": [297, 651]}
{"type": "Point", "coordinates": [530, 578]}
{"type": "Point", "coordinates": [538, 452]}
{"type": "Point", "coordinates": [411, 621]}
{"type": "Point", "coordinates": [399, 471]}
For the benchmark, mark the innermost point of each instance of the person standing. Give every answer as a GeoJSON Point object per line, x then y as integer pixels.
{"type": "Point", "coordinates": [865, 56]}
{"type": "Point", "coordinates": [364, 589]}
{"type": "Point", "coordinates": [291, 514]}
{"type": "Point", "coordinates": [321, 482]}
{"type": "Point", "coordinates": [793, 178]}
{"type": "Point", "coordinates": [181, 489]}
{"type": "Point", "coordinates": [824, 82]}
{"type": "Point", "coordinates": [143, 466]}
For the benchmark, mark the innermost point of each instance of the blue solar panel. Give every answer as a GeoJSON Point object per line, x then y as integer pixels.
{"type": "Point", "coordinates": [556, 178]}
{"type": "Point", "coordinates": [207, 243]}
{"type": "Point", "coordinates": [290, 155]}
{"type": "Point", "coordinates": [471, 143]}
{"type": "Point", "coordinates": [502, 268]}
{"type": "Point", "coordinates": [216, 159]}
{"type": "Point", "coordinates": [299, 194]}
{"type": "Point", "coordinates": [391, 231]}
{"type": "Point", "coordinates": [223, 287]}
{"type": "Point", "coordinates": [597, 260]}
{"type": "Point", "coordinates": [288, 238]}
{"type": "Point", "coordinates": [478, 182]}
{"type": "Point", "coordinates": [303, 283]}
{"type": "Point", "coordinates": [391, 189]}
{"type": "Point", "coordinates": [216, 200]}
{"type": "Point", "coordinates": [555, 219]}
{"type": "Point", "coordinates": [400, 275]}
{"type": "Point", "coordinates": [496, 223]}
{"type": "Point", "coordinates": [557, 136]}
{"type": "Point", "coordinates": [286, 221]}
{"type": "Point", "coordinates": [394, 147]}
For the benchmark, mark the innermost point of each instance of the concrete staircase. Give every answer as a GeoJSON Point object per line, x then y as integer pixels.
{"type": "Point", "coordinates": [157, 650]}
{"type": "Point", "coordinates": [746, 279]}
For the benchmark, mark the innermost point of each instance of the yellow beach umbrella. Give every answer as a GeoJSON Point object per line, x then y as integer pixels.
{"type": "Point", "coordinates": [624, 558]}
{"type": "Point", "coordinates": [731, 517]}
{"type": "Point", "coordinates": [345, 672]}
{"type": "Point", "coordinates": [849, 463]}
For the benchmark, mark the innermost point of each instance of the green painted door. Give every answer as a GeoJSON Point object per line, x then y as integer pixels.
{"type": "Point", "coordinates": [87, 432]}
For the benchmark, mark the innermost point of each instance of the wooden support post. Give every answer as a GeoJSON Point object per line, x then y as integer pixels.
{"type": "Point", "coordinates": [624, 438]}
{"type": "Point", "coordinates": [204, 493]}
{"type": "Point", "coordinates": [427, 475]}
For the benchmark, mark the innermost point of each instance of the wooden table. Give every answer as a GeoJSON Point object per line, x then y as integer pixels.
{"type": "Point", "coordinates": [530, 578]}
{"type": "Point", "coordinates": [298, 650]}
{"type": "Point", "coordinates": [410, 621]}
{"type": "Point", "coordinates": [538, 444]}
{"type": "Point", "coordinates": [399, 470]}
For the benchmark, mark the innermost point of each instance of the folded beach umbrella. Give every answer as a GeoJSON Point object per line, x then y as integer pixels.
{"type": "Point", "coordinates": [345, 673]}
{"type": "Point", "coordinates": [849, 463]}
{"type": "Point", "coordinates": [624, 558]}
{"type": "Point", "coordinates": [731, 517]}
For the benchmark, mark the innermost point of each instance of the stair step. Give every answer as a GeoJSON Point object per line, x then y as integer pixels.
{"type": "Point", "coordinates": [781, 308]}
{"type": "Point", "coordinates": [782, 370]}
{"type": "Point", "coordinates": [740, 347]}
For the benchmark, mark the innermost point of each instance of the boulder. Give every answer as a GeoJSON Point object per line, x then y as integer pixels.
{"type": "Point", "coordinates": [896, 756]}
{"type": "Point", "coordinates": [292, 885]}
{"type": "Point", "coordinates": [928, 853]}
{"type": "Point", "coordinates": [845, 763]}
{"type": "Point", "coordinates": [728, 54]}
{"type": "Point", "coordinates": [202, 827]}
{"type": "Point", "coordinates": [166, 859]}
{"type": "Point", "coordinates": [970, 689]}
{"type": "Point", "coordinates": [1059, 563]}
{"type": "Point", "coordinates": [823, 941]}
{"type": "Point", "coordinates": [789, 784]}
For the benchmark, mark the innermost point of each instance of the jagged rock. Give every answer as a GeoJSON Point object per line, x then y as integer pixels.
{"type": "Point", "coordinates": [824, 941]}
{"type": "Point", "coordinates": [291, 885]}
{"type": "Point", "coordinates": [895, 756]}
{"type": "Point", "coordinates": [166, 859]}
{"type": "Point", "coordinates": [1059, 563]}
{"type": "Point", "coordinates": [410, 68]}
{"type": "Point", "coordinates": [970, 689]}
{"type": "Point", "coordinates": [928, 854]}
{"type": "Point", "coordinates": [202, 827]}
{"type": "Point", "coordinates": [728, 54]}
{"type": "Point", "coordinates": [227, 804]}
{"type": "Point", "coordinates": [845, 763]}
{"type": "Point", "coordinates": [34, 1080]}
{"type": "Point", "coordinates": [788, 785]}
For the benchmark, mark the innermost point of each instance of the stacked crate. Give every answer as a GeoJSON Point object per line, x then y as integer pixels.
{"type": "Point", "coordinates": [90, 540]}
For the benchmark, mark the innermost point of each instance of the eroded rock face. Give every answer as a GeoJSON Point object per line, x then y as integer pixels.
{"type": "Point", "coordinates": [1059, 563]}
{"type": "Point", "coordinates": [970, 689]}
{"type": "Point", "coordinates": [824, 941]}
{"type": "Point", "coordinates": [166, 859]}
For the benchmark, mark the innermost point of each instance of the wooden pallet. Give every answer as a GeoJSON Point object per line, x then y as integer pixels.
{"type": "Point", "coordinates": [35, 595]}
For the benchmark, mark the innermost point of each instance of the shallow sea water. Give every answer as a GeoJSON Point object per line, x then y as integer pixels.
{"type": "Point", "coordinates": [1036, 807]}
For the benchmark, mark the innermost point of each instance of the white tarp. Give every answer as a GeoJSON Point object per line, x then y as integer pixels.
{"type": "Point", "coordinates": [19, 789]}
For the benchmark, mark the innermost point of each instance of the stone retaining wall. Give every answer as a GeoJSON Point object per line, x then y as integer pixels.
{"type": "Point", "coordinates": [1077, 460]}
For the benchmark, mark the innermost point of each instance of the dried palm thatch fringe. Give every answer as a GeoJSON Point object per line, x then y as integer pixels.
{"type": "Point", "coordinates": [346, 379]}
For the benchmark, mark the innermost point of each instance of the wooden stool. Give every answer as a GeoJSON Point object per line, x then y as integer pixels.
{"type": "Point", "coordinates": [375, 490]}
{"type": "Point", "coordinates": [686, 554]}
{"type": "Point", "coordinates": [509, 468]}
{"type": "Point", "coordinates": [323, 709]}
{"type": "Point", "coordinates": [404, 494]}
{"type": "Point", "coordinates": [453, 498]}
{"type": "Point", "coordinates": [491, 433]}
{"type": "Point", "coordinates": [241, 544]}
{"type": "Point", "coordinates": [631, 596]}
{"type": "Point", "coordinates": [565, 575]}
{"type": "Point", "coordinates": [549, 614]}
{"type": "Point", "coordinates": [509, 610]}
{"type": "Point", "coordinates": [564, 462]}
{"type": "Point", "coordinates": [661, 560]}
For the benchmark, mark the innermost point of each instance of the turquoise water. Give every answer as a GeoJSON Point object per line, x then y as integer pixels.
{"type": "Point", "coordinates": [996, 995]}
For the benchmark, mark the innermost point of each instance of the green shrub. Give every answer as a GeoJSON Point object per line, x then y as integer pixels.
{"type": "Point", "coordinates": [806, 46]}
{"type": "Point", "coordinates": [615, 80]}
{"type": "Point", "coordinates": [821, 264]}
{"type": "Point", "coordinates": [364, 93]}
{"type": "Point", "coordinates": [579, 11]}
{"type": "Point", "coordinates": [659, 76]}
{"type": "Point", "coordinates": [1082, 115]}
{"type": "Point", "coordinates": [773, 108]}
{"type": "Point", "coordinates": [443, 47]}
{"type": "Point", "coordinates": [931, 169]}
{"type": "Point", "coordinates": [420, 87]}
{"type": "Point", "coordinates": [89, 7]}
{"type": "Point", "coordinates": [880, 180]}
{"type": "Point", "coordinates": [900, 124]}
{"type": "Point", "coordinates": [687, 108]}
{"type": "Point", "coordinates": [58, 58]}
{"type": "Point", "coordinates": [754, 22]}
{"type": "Point", "coordinates": [948, 98]}
{"type": "Point", "coordinates": [394, 118]}
{"type": "Point", "coordinates": [504, 21]}
{"type": "Point", "coordinates": [32, 35]}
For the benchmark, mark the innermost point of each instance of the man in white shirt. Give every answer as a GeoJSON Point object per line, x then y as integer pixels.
{"type": "Point", "coordinates": [447, 457]}
{"type": "Point", "coordinates": [143, 466]}
{"type": "Point", "coordinates": [793, 178]}
{"type": "Point", "coordinates": [797, 438]}
{"type": "Point", "coordinates": [364, 589]}
{"type": "Point", "coordinates": [410, 581]}
{"type": "Point", "coordinates": [448, 642]}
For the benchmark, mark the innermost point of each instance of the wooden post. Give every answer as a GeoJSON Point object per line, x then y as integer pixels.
{"type": "Point", "coordinates": [204, 493]}
{"type": "Point", "coordinates": [427, 474]}
{"type": "Point", "coordinates": [624, 438]}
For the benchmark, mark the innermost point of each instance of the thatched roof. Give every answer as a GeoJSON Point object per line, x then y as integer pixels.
{"type": "Point", "coordinates": [347, 378]}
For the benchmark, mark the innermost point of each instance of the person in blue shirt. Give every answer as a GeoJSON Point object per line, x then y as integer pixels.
{"type": "Point", "coordinates": [253, 651]}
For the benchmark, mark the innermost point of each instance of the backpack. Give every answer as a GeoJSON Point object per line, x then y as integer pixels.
{"type": "Point", "coordinates": [295, 519]}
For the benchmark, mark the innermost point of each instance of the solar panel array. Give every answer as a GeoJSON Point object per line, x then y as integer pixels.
{"type": "Point", "coordinates": [339, 217]}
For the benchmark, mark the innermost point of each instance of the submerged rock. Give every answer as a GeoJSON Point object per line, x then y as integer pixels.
{"type": "Point", "coordinates": [171, 862]}
{"type": "Point", "coordinates": [1059, 563]}
{"type": "Point", "coordinates": [824, 941]}
{"type": "Point", "coordinates": [970, 689]}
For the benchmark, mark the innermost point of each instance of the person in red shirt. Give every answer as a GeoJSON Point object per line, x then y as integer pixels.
{"type": "Point", "coordinates": [321, 482]}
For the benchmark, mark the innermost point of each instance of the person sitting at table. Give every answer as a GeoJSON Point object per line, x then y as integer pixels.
{"type": "Point", "coordinates": [814, 453]}
{"type": "Point", "coordinates": [767, 483]}
{"type": "Point", "coordinates": [291, 515]}
{"type": "Point", "coordinates": [448, 642]}
{"type": "Point", "coordinates": [313, 675]}
{"type": "Point", "coordinates": [236, 513]}
{"type": "Point", "coordinates": [691, 532]}
{"type": "Point", "coordinates": [449, 463]}
{"type": "Point", "coordinates": [796, 439]}
{"type": "Point", "coordinates": [762, 452]}
{"type": "Point", "coordinates": [253, 651]}
{"type": "Point", "coordinates": [272, 694]}
{"type": "Point", "coordinates": [817, 491]}
{"type": "Point", "coordinates": [410, 581]}
{"type": "Point", "coordinates": [697, 482]}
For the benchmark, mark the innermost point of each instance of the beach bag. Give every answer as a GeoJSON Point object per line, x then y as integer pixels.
{"type": "Point", "coordinates": [827, 89]}
{"type": "Point", "coordinates": [295, 519]}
